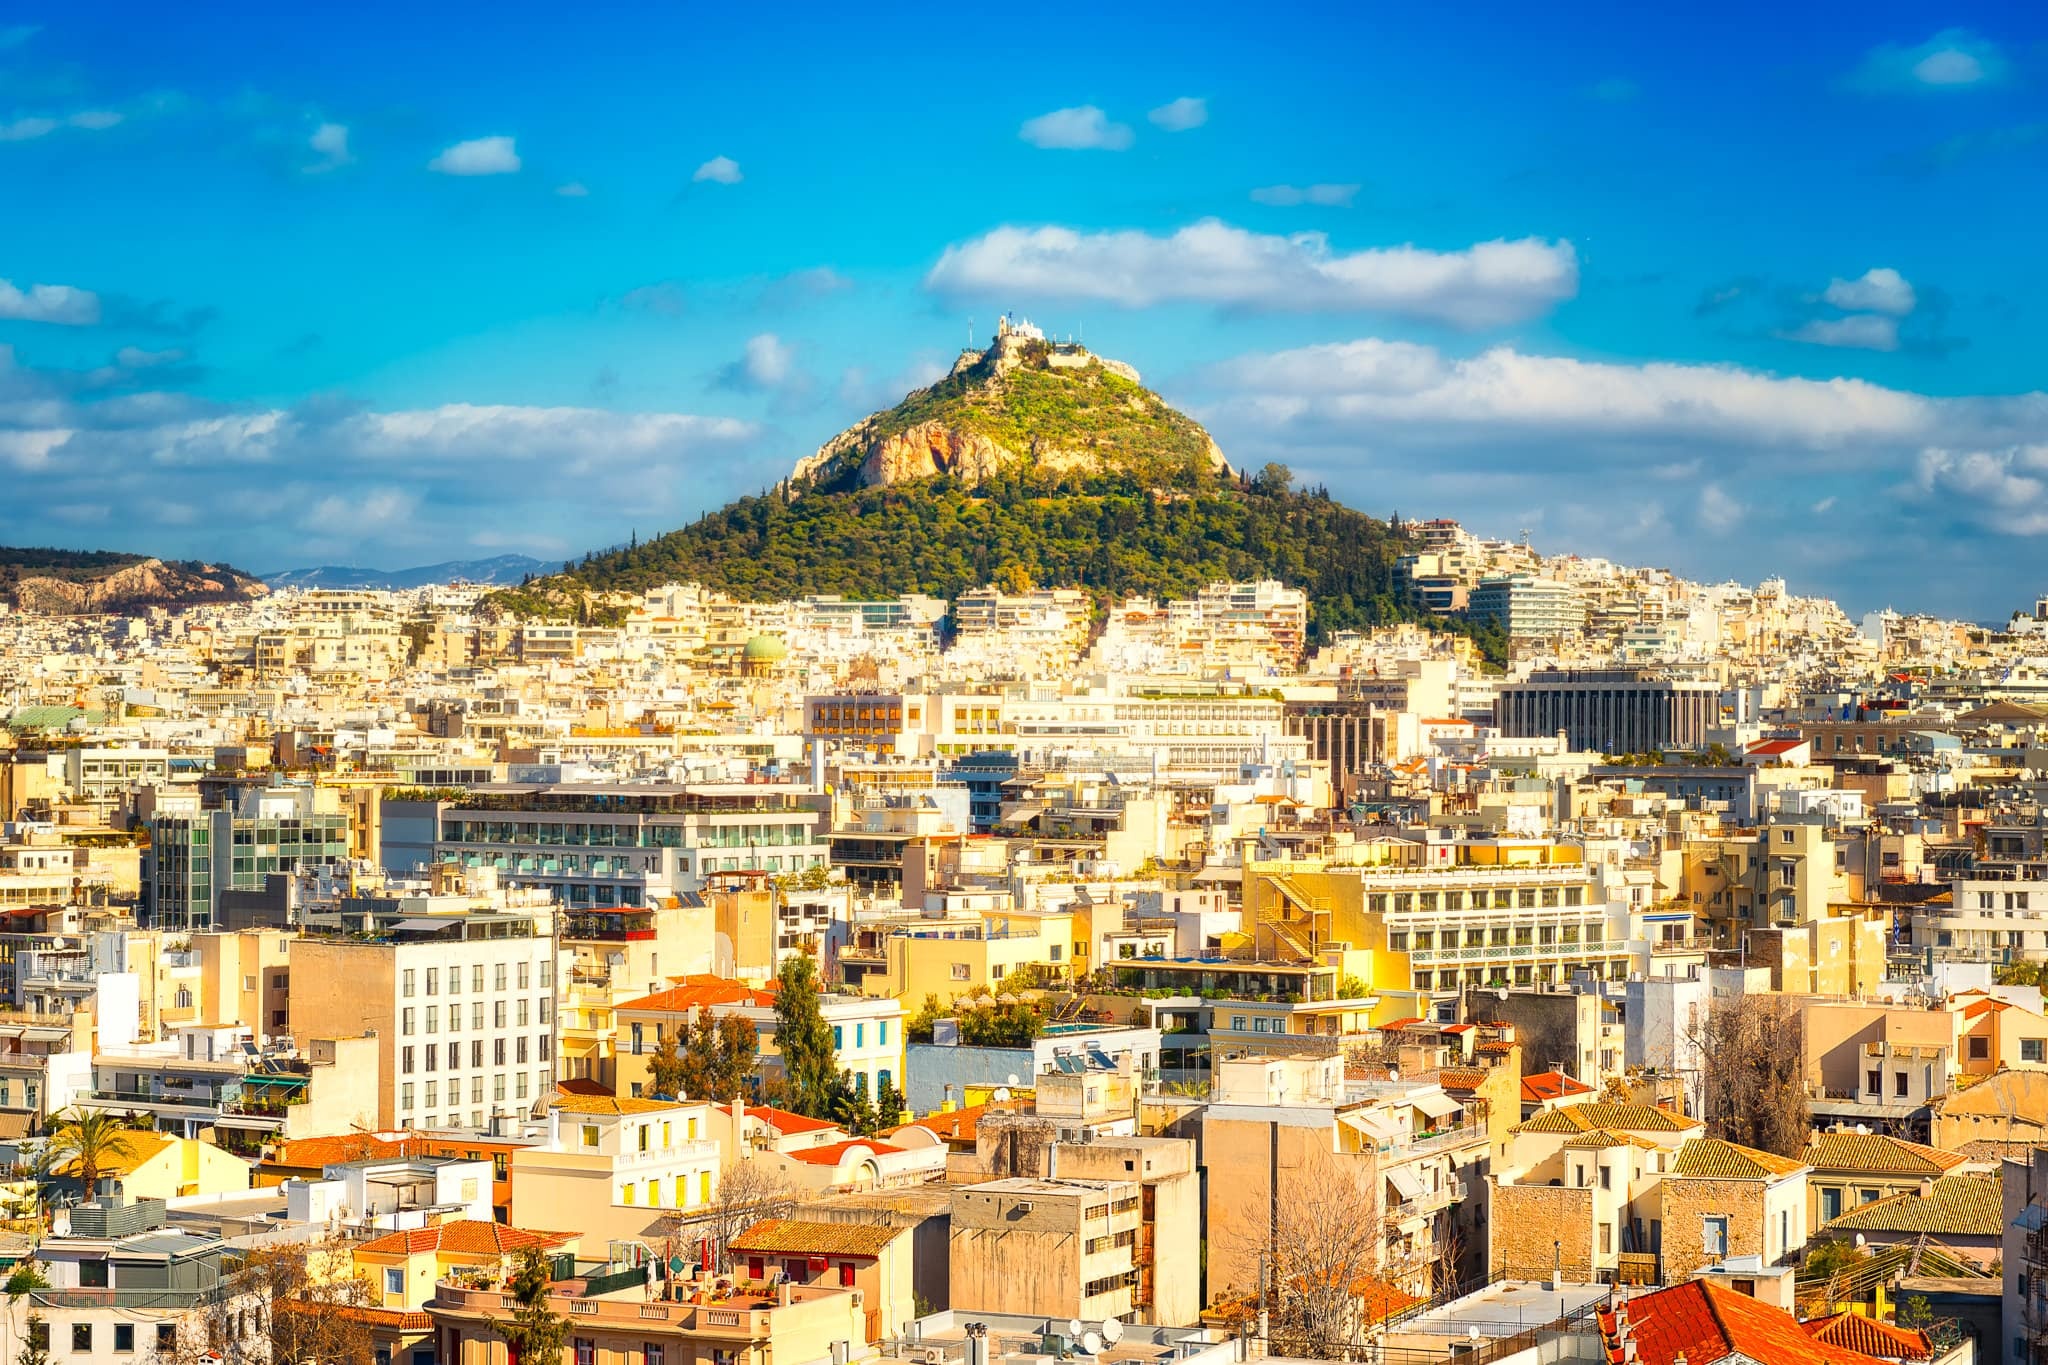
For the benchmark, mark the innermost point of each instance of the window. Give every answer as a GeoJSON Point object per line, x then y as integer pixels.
{"type": "Point", "coordinates": [590, 1135]}
{"type": "Point", "coordinates": [838, 1038]}
{"type": "Point", "coordinates": [81, 1337]}
{"type": "Point", "coordinates": [405, 1060]}
{"type": "Point", "coordinates": [1899, 1084]}
{"type": "Point", "coordinates": [1830, 1205]}
{"type": "Point", "coordinates": [2031, 1049]}
{"type": "Point", "coordinates": [124, 1338]}
{"type": "Point", "coordinates": [405, 983]}
{"type": "Point", "coordinates": [433, 981]}
{"type": "Point", "coordinates": [405, 1096]}
{"type": "Point", "coordinates": [1873, 1081]}
{"type": "Point", "coordinates": [166, 1336]}
{"type": "Point", "coordinates": [960, 972]}
{"type": "Point", "coordinates": [1606, 1176]}
{"type": "Point", "coordinates": [650, 1354]}
{"type": "Point", "coordinates": [637, 1049]}
{"type": "Point", "coordinates": [882, 1033]}
{"type": "Point", "coordinates": [394, 1280]}
{"type": "Point", "coordinates": [1866, 1196]}
{"type": "Point", "coordinates": [405, 1022]}
{"type": "Point", "coordinates": [586, 1351]}
{"type": "Point", "coordinates": [1714, 1236]}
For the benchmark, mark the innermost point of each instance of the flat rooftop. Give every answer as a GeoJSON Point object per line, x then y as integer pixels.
{"type": "Point", "coordinates": [1501, 1310]}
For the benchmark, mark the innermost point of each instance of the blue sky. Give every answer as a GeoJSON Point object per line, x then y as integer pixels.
{"type": "Point", "coordinates": [1748, 294]}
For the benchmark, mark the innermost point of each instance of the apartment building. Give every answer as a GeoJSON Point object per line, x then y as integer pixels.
{"type": "Point", "coordinates": [617, 1168]}
{"type": "Point", "coordinates": [1062, 1248]}
{"type": "Point", "coordinates": [1528, 607]}
{"type": "Point", "coordinates": [196, 857]}
{"type": "Point", "coordinates": [1422, 922]}
{"type": "Point", "coordinates": [601, 845]}
{"type": "Point", "coordinates": [455, 975]}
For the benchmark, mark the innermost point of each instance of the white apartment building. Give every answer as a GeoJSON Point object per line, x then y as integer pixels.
{"type": "Point", "coordinates": [616, 1169]}
{"type": "Point", "coordinates": [456, 977]}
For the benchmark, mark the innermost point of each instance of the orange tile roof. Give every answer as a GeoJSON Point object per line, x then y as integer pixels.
{"type": "Point", "coordinates": [1874, 1152]}
{"type": "Point", "coordinates": [782, 1120]}
{"type": "Point", "coordinates": [139, 1147]}
{"type": "Point", "coordinates": [831, 1152]}
{"type": "Point", "coordinates": [960, 1125]}
{"type": "Point", "coordinates": [580, 1085]}
{"type": "Point", "coordinates": [464, 1237]}
{"type": "Point", "coordinates": [1634, 1118]}
{"type": "Point", "coordinates": [611, 1104]}
{"type": "Point", "coordinates": [1462, 1078]}
{"type": "Point", "coordinates": [1713, 1158]}
{"type": "Point", "coordinates": [695, 992]}
{"type": "Point", "coordinates": [316, 1153]}
{"type": "Point", "coordinates": [794, 1235]}
{"type": "Point", "coordinates": [1707, 1324]}
{"type": "Point", "coordinates": [1859, 1333]}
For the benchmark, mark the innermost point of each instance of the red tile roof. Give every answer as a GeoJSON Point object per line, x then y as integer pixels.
{"type": "Point", "coordinates": [465, 1237]}
{"type": "Point", "coordinates": [1708, 1324]}
{"type": "Point", "coordinates": [959, 1125]}
{"type": "Point", "coordinates": [581, 1085]}
{"type": "Point", "coordinates": [1551, 1085]}
{"type": "Point", "coordinates": [831, 1152]}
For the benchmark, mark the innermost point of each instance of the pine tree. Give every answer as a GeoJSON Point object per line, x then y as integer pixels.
{"type": "Point", "coordinates": [534, 1334]}
{"type": "Point", "coordinates": [810, 1063]}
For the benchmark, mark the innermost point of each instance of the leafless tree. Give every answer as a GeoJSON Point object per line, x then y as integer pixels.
{"type": "Point", "coordinates": [1324, 1262]}
{"type": "Point", "coordinates": [1754, 1074]}
{"type": "Point", "coordinates": [287, 1304]}
{"type": "Point", "coordinates": [748, 1191]}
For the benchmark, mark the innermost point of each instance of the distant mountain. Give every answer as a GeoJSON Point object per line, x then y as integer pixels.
{"type": "Point", "coordinates": [92, 582]}
{"type": "Point", "coordinates": [498, 571]}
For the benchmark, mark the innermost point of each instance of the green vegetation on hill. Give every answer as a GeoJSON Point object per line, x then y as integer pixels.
{"type": "Point", "coordinates": [1109, 532]}
{"type": "Point", "coordinates": [1087, 409]}
{"type": "Point", "coordinates": [73, 566]}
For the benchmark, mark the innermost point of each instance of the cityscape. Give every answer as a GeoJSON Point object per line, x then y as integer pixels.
{"type": "Point", "coordinates": [1225, 746]}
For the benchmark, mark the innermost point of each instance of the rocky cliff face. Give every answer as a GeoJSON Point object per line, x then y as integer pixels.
{"type": "Point", "coordinates": [1022, 401]}
{"type": "Point", "coordinates": [132, 587]}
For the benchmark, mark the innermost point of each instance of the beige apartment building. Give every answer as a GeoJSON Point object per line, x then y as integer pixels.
{"type": "Point", "coordinates": [1062, 1248]}
{"type": "Point", "coordinates": [616, 1168]}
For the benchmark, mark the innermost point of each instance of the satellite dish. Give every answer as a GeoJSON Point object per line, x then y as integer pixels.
{"type": "Point", "coordinates": [1092, 1344]}
{"type": "Point", "coordinates": [1112, 1331]}
{"type": "Point", "coordinates": [1074, 1328]}
{"type": "Point", "coordinates": [1001, 1095]}
{"type": "Point", "coordinates": [1011, 1079]}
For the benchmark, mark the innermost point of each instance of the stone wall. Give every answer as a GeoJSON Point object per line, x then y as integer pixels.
{"type": "Point", "coordinates": [1688, 1201]}
{"type": "Point", "coordinates": [1537, 1228]}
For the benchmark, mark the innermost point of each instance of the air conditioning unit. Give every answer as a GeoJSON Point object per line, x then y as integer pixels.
{"type": "Point", "coordinates": [934, 1356]}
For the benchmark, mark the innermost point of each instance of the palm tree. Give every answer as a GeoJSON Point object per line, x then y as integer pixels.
{"type": "Point", "coordinates": [87, 1141]}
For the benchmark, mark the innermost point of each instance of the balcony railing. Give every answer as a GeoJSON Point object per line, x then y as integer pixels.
{"type": "Point", "coordinates": [1436, 1142]}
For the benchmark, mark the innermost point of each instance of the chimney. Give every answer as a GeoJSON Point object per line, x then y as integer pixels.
{"type": "Point", "coordinates": [782, 1293]}
{"type": "Point", "coordinates": [1926, 1188]}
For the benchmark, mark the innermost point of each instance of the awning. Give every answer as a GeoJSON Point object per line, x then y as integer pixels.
{"type": "Point", "coordinates": [13, 1126]}
{"type": "Point", "coordinates": [1404, 1179]}
{"type": "Point", "coordinates": [1374, 1126]}
{"type": "Point", "coordinates": [1437, 1106]}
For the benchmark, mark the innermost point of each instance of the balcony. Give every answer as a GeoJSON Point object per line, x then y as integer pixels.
{"type": "Point", "coordinates": [677, 1154]}
{"type": "Point", "coordinates": [1403, 1210]}
{"type": "Point", "coordinates": [1466, 1135]}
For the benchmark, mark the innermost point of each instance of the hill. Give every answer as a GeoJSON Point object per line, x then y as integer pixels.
{"type": "Point", "coordinates": [1024, 403]}
{"type": "Point", "coordinates": [1028, 464]}
{"type": "Point", "coordinates": [76, 582]}
{"type": "Point", "coordinates": [495, 570]}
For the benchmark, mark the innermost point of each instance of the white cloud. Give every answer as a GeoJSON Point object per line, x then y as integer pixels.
{"type": "Point", "coordinates": [1718, 511]}
{"type": "Point", "coordinates": [766, 362]}
{"type": "Point", "coordinates": [58, 303]}
{"type": "Point", "coordinates": [329, 143]}
{"type": "Point", "coordinates": [30, 449]}
{"type": "Point", "coordinates": [719, 170]}
{"type": "Point", "coordinates": [1857, 331]}
{"type": "Point", "coordinates": [1084, 128]}
{"type": "Point", "coordinates": [1378, 384]}
{"type": "Point", "coordinates": [1824, 506]}
{"type": "Point", "coordinates": [1212, 262]}
{"type": "Point", "coordinates": [1882, 290]}
{"type": "Point", "coordinates": [1177, 116]}
{"type": "Point", "coordinates": [28, 129]}
{"type": "Point", "coordinates": [572, 190]}
{"type": "Point", "coordinates": [2000, 489]}
{"type": "Point", "coordinates": [1291, 196]}
{"type": "Point", "coordinates": [1954, 59]}
{"type": "Point", "coordinates": [478, 156]}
